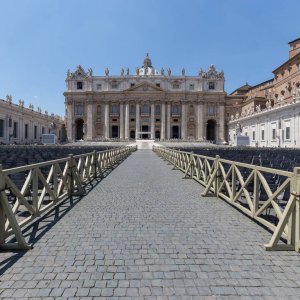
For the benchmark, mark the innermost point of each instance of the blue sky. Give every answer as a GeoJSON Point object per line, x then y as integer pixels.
{"type": "Point", "coordinates": [41, 39]}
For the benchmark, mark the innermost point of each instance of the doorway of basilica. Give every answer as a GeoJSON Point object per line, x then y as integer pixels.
{"type": "Point", "coordinates": [79, 129]}
{"type": "Point", "coordinates": [145, 128]}
{"type": "Point", "coordinates": [211, 130]}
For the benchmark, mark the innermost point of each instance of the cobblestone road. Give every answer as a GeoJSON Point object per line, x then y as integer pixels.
{"type": "Point", "coordinates": [145, 233]}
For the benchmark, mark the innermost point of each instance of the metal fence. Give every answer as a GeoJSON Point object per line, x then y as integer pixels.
{"type": "Point", "coordinates": [269, 196]}
{"type": "Point", "coordinates": [27, 192]}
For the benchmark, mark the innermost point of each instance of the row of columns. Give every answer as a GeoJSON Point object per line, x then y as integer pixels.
{"type": "Point", "coordinates": [165, 120]}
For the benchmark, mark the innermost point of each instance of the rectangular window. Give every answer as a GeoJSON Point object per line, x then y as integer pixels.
{"type": "Point", "coordinates": [158, 84]}
{"type": "Point", "coordinates": [288, 133]}
{"type": "Point", "coordinates": [132, 84]}
{"type": "Point", "coordinates": [79, 85]}
{"type": "Point", "coordinates": [211, 111]}
{"type": "Point", "coordinates": [253, 135]}
{"type": "Point", "coordinates": [157, 120]}
{"type": "Point", "coordinates": [287, 126]}
{"type": "Point", "coordinates": [114, 85]}
{"type": "Point", "coordinates": [192, 87]}
{"type": "Point", "coordinates": [262, 134]}
{"type": "Point", "coordinates": [43, 129]}
{"type": "Point", "coordinates": [99, 86]}
{"type": "Point", "coordinates": [273, 134]}
{"type": "Point", "coordinates": [1, 128]}
{"type": "Point", "coordinates": [79, 109]}
{"type": "Point", "coordinates": [26, 131]}
{"type": "Point", "coordinates": [98, 109]}
{"type": "Point", "coordinates": [35, 132]}
{"type": "Point", "coordinates": [157, 109]}
{"type": "Point", "coordinates": [211, 85]}
{"type": "Point", "coordinates": [15, 132]}
{"type": "Point", "coordinates": [176, 86]}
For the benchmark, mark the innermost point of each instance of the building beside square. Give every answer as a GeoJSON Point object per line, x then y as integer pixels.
{"type": "Point", "coordinates": [147, 104]}
{"type": "Point", "coordinates": [269, 113]}
{"type": "Point", "coordinates": [24, 125]}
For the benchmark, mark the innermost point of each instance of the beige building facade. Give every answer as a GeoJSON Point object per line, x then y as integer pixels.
{"type": "Point", "coordinates": [24, 125]}
{"type": "Point", "coordinates": [148, 104]}
{"type": "Point", "coordinates": [269, 113]}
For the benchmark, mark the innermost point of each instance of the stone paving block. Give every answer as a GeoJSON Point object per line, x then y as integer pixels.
{"type": "Point", "coordinates": [145, 233]}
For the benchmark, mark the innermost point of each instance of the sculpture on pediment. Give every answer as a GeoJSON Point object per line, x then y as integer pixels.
{"type": "Point", "coordinates": [237, 115]}
{"type": "Point", "coordinates": [298, 89]}
{"type": "Point", "coordinates": [137, 71]}
{"type": "Point", "coordinates": [90, 72]}
{"type": "Point", "coordinates": [232, 117]}
{"type": "Point", "coordinates": [258, 109]}
{"type": "Point", "coordinates": [268, 104]}
{"type": "Point", "coordinates": [280, 99]}
{"type": "Point", "coordinates": [127, 71]}
{"type": "Point", "coordinates": [9, 98]}
{"type": "Point", "coordinates": [169, 72]}
{"type": "Point", "coordinates": [152, 71]}
{"type": "Point", "coordinates": [238, 129]}
{"type": "Point", "coordinates": [162, 72]}
{"type": "Point", "coordinates": [183, 71]}
{"type": "Point", "coordinates": [69, 73]}
{"type": "Point", "coordinates": [46, 112]}
{"type": "Point", "coordinates": [122, 72]}
{"type": "Point", "coordinates": [31, 106]}
{"type": "Point", "coordinates": [212, 73]}
{"type": "Point", "coordinates": [21, 103]}
{"type": "Point", "coordinates": [107, 72]}
{"type": "Point", "coordinates": [39, 109]}
{"type": "Point", "coordinates": [200, 73]}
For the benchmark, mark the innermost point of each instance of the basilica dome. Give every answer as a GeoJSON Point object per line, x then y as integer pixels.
{"type": "Point", "coordinates": [147, 68]}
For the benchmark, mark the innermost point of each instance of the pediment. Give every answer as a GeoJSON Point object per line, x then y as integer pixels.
{"type": "Point", "coordinates": [145, 87]}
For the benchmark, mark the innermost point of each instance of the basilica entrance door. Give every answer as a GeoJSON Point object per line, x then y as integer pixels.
{"type": "Point", "coordinates": [145, 128]}
{"type": "Point", "coordinates": [211, 130]}
{"type": "Point", "coordinates": [114, 131]}
{"type": "Point", "coordinates": [175, 132]}
{"type": "Point", "coordinates": [79, 129]}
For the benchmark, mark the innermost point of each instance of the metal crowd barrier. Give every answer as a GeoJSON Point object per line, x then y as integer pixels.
{"type": "Point", "coordinates": [249, 188]}
{"type": "Point", "coordinates": [27, 192]}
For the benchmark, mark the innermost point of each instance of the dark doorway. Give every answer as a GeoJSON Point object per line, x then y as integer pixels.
{"type": "Point", "coordinates": [157, 134]}
{"type": "Point", "coordinates": [114, 131]}
{"type": "Point", "coordinates": [132, 134]}
{"type": "Point", "coordinates": [175, 132]}
{"type": "Point", "coordinates": [211, 130]}
{"type": "Point", "coordinates": [79, 129]}
{"type": "Point", "coordinates": [145, 128]}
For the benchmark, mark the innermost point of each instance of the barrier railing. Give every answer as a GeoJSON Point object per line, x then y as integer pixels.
{"type": "Point", "coordinates": [269, 196]}
{"type": "Point", "coordinates": [27, 192]}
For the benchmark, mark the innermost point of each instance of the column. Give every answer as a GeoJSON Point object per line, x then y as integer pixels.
{"type": "Point", "coordinates": [205, 121]}
{"type": "Point", "coordinates": [183, 121]}
{"type": "Point", "coordinates": [137, 120]}
{"type": "Point", "coordinates": [126, 121]}
{"type": "Point", "coordinates": [200, 121]}
{"type": "Point", "coordinates": [152, 120]}
{"type": "Point", "coordinates": [106, 120]}
{"type": "Point", "coordinates": [222, 123]}
{"type": "Point", "coordinates": [70, 125]}
{"type": "Point", "coordinates": [121, 121]}
{"type": "Point", "coordinates": [168, 121]}
{"type": "Point", "coordinates": [89, 123]}
{"type": "Point", "coordinates": [163, 121]}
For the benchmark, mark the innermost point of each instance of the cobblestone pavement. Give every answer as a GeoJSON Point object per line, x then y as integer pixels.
{"type": "Point", "coordinates": [145, 233]}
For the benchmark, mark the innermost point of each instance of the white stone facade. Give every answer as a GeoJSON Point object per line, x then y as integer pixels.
{"type": "Point", "coordinates": [147, 104]}
{"type": "Point", "coordinates": [22, 125]}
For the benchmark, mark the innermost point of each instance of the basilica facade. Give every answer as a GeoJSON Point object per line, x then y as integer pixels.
{"type": "Point", "coordinates": [148, 104]}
